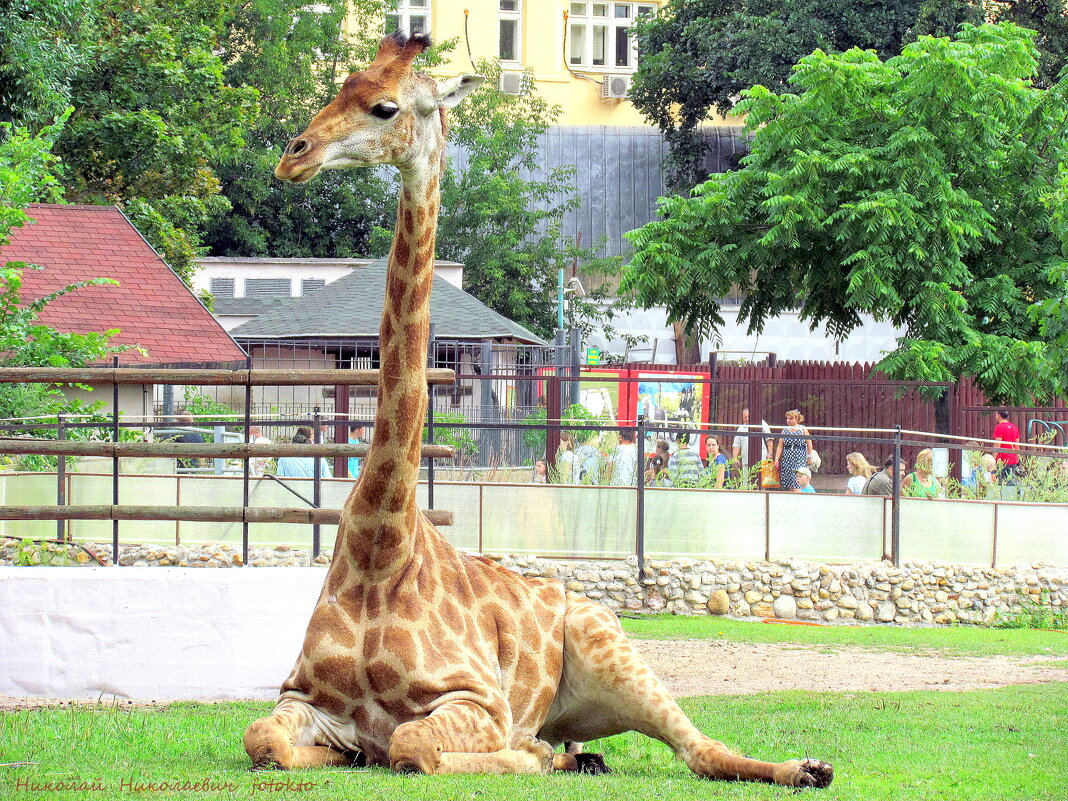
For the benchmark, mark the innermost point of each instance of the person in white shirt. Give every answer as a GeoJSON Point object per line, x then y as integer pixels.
{"type": "Point", "coordinates": [740, 448]}
{"type": "Point", "coordinates": [624, 461]}
{"type": "Point", "coordinates": [257, 465]}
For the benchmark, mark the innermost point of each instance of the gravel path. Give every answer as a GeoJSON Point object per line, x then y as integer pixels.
{"type": "Point", "coordinates": [718, 667]}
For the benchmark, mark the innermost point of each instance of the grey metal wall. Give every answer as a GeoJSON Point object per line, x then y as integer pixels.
{"type": "Point", "coordinates": [618, 175]}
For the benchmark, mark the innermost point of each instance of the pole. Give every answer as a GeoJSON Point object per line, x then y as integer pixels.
{"type": "Point", "coordinates": [61, 478]}
{"type": "Point", "coordinates": [430, 423]}
{"type": "Point", "coordinates": [639, 516]}
{"type": "Point", "coordinates": [895, 504]}
{"type": "Point", "coordinates": [317, 485]}
{"type": "Point", "coordinates": [246, 462]}
{"type": "Point", "coordinates": [115, 466]}
{"type": "Point", "coordinates": [576, 366]}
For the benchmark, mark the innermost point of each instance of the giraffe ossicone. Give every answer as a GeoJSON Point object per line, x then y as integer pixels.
{"type": "Point", "coordinates": [418, 656]}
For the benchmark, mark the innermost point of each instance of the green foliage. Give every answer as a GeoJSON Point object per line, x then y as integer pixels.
{"type": "Point", "coordinates": [200, 404]}
{"type": "Point", "coordinates": [1033, 613]}
{"type": "Point", "coordinates": [460, 439]}
{"type": "Point", "coordinates": [922, 190]}
{"type": "Point", "coordinates": [294, 56]}
{"type": "Point", "coordinates": [575, 414]}
{"type": "Point", "coordinates": [699, 55]}
{"type": "Point", "coordinates": [45, 554]}
{"type": "Point", "coordinates": [1049, 19]}
{"type": "Point", "coordinates": [504, 226]}
{"type": "Point", "coordinates": [153, 113]}
{"type": "Point", "coordinates": [40, 53]}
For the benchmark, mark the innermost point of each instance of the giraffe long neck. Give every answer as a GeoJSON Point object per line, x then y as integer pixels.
{"type": "Point", "coordinates": [384, 499]}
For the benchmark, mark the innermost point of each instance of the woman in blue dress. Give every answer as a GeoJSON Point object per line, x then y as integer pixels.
{"type": "Point", "coordinates": [792, 450]}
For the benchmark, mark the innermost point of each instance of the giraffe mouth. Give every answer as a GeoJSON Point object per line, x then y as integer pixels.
{"type": "Point", "coordinates": [296, 173]}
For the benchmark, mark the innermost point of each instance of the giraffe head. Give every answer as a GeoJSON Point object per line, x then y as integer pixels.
{"type": "Point", "coordinates": [386, 114]}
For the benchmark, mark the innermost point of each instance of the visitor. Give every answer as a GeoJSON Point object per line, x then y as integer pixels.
{"type": "Point", "coordinates": [565, 458]}
{"type": "Point", "coordinates": [656, 474]}
{"type": "Point", "coordinates": [257, 465]}
{"type": "Point", "coordinates": [1007, 437]}
{"type": "Point", "coordinates": [716, 466]}
{"type": "Point", "coordinates": [624, 461]}
{"type": "Point", "coordinates": [684, 465]}
{"type": "Point", "coordinates": [190, 438]}
{"type": "Point", "coordinates": [301, 466]}
{"type": "Point", "coordinates": [859, 472]}
{"type": "Point", "coordinates": [921, 483]}
{"type": "Point", "coordinates": [792, 450]}
{"type": "Point", "coordinates": [882, 483]}
{"type": "Point", "coordinates": [740, 448]}
{"type": "Point", "coordinates": [357, 436]}
{"type": "Point", "coordinates": [589, 461]}
{"type": "Point", "coordinates": [541, 472]}
{"type": "Point", "coordinates": [803, 478]}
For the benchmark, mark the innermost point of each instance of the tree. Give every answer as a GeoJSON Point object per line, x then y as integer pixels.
{"type": "Point", "coordinates": [698, 55]}
{"type": "Point", "coordinates": [1049, 19]}
{"type": "Point", "coordinates": [293, 55]}
{"type": "Point", "coordinates": [926, 190]}
{"type": "Point", "coordinates": [153, 112]}
{"type": "Point", "coordinates": [503, 224]}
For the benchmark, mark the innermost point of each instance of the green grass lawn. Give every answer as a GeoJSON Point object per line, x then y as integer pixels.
{"type": "Point", "coordinates": [950, 640]}
{"type": "Point", "coordinates": [914, 746]}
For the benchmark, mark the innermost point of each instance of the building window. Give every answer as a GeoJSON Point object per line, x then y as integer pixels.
{"type": "Point", "coordinates": [410, 17]}
{"type": "Point", "coordinates": [222, 287]}
{"type": "Point", "coordinates": [599, 34]}
{"type": "Point", "coordinates": [268, 288]}
{"type": "Point", "coordinates": [309, 285]}
{"type": "Point", "coordinates": [511, 19]}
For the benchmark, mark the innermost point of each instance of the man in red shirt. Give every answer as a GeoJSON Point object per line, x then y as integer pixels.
{"type": "Point", "coordinates": [1007, 436]}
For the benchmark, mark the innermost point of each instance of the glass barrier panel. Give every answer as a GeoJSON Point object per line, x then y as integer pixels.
{"type": "Point", "coordinates": [1028, 533]}
{"type": "Point", "coordinates": [961, 532]}
{"type": "Point", "coordinates": [700, 524]}
{"type": "Point", "coordinates": [825, 528]}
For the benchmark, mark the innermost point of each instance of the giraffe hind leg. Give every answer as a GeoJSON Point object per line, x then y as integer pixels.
{"type": "Point", "coordinates": [463, 737]}
{"type": "Point", "coordinates": [607, 688]}
{"type": "Point", "coordinates": [282, 741]}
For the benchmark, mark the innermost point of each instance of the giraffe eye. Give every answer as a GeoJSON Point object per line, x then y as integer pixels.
{"type": "Point", "coordinates": [385, 111]}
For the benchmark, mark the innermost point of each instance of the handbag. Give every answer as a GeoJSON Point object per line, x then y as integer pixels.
{"type": "Point", "coordinates": [769, 474]}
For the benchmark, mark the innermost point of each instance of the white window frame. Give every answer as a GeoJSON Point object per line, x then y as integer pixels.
{"type": "Point", "coordinates": [516, 16]}
{"type": "Point", "coordinates": [580, 30]}
{"type": "Point", "coordinates": [405, 10]}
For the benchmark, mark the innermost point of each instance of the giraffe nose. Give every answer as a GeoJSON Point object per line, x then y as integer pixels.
{"type": "Point", "coordinates": [297, 146]}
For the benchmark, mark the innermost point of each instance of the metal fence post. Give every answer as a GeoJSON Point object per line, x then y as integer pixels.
{"type": "Point", "coordinates": [430, 423]}
{"type": "Point", "coordinates": [61, 478]}
{"type": "Point", "coordinates": [246, 471]}
{"type": "Point", "coordinates": [317, 484]}
{"type": "Point", "coordinates": [639, 515]}
{"type": "Point", "coordinates": [115, 464]}
{"type": "Point", "coordinates": [895, 503]}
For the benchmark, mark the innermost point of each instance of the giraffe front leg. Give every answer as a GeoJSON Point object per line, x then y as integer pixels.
{"type": "Point", "coordinates": [281, 741]}
{"type": "Point", "coordinates": [463, 737]}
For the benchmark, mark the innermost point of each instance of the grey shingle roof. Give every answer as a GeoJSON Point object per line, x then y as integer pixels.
{"type": "Point", "coordinates": [351, 307]}
{"type": "Point", "coordinates": [246, 306]}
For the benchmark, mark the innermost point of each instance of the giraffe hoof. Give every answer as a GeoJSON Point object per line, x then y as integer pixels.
{"type": "Point", "coordinates": [592, 764]}
{"type": "Point", "coordinates": [808, 773]}
{"type": "Point", "coordinates": [541, 751]}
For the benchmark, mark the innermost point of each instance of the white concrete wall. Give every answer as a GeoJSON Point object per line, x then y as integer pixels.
{"type": "Point", "coordinates": [154, 633]}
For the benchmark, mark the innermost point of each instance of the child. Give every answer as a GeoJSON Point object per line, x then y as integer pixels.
{"type": "Point", "coordinates": [804, 480]}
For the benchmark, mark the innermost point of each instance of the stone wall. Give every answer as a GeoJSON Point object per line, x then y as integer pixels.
{"type": "Point", "coordinates": [916, 592]}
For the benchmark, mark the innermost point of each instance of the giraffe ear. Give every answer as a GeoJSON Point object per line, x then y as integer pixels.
{"type": "Point", "coordinates": [452, 90]}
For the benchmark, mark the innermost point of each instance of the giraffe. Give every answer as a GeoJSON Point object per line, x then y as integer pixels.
{"type": "Point", "coordinates": [418, 656]}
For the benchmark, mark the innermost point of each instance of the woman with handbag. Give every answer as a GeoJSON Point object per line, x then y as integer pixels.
{"type": "Point", "coordinates": [792, 450]}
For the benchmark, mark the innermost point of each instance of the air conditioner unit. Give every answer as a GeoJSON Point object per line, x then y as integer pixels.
{"type": "Point", "coordinates": [614, 87]}
{"type": "Point", "coordinates": [512, 83]}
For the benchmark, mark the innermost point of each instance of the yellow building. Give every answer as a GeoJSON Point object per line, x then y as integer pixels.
{"type": "Point", "coordinates": [581, 53]}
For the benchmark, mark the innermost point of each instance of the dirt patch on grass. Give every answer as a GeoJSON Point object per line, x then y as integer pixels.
{"type": "Point", "coordinates": [718, 667]}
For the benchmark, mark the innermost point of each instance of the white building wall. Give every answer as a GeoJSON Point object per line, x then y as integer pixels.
{"type": "Point", "coordinates": [786, 336]}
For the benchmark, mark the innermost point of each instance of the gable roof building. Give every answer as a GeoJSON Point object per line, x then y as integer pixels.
{"type": "Point", "coordinates": [151, 306]}
{"type": "Point", "coordinates": [351, 308]}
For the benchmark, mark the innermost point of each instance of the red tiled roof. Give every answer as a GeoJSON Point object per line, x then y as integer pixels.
{"type": "Point", "coordinates": [151, 306]}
